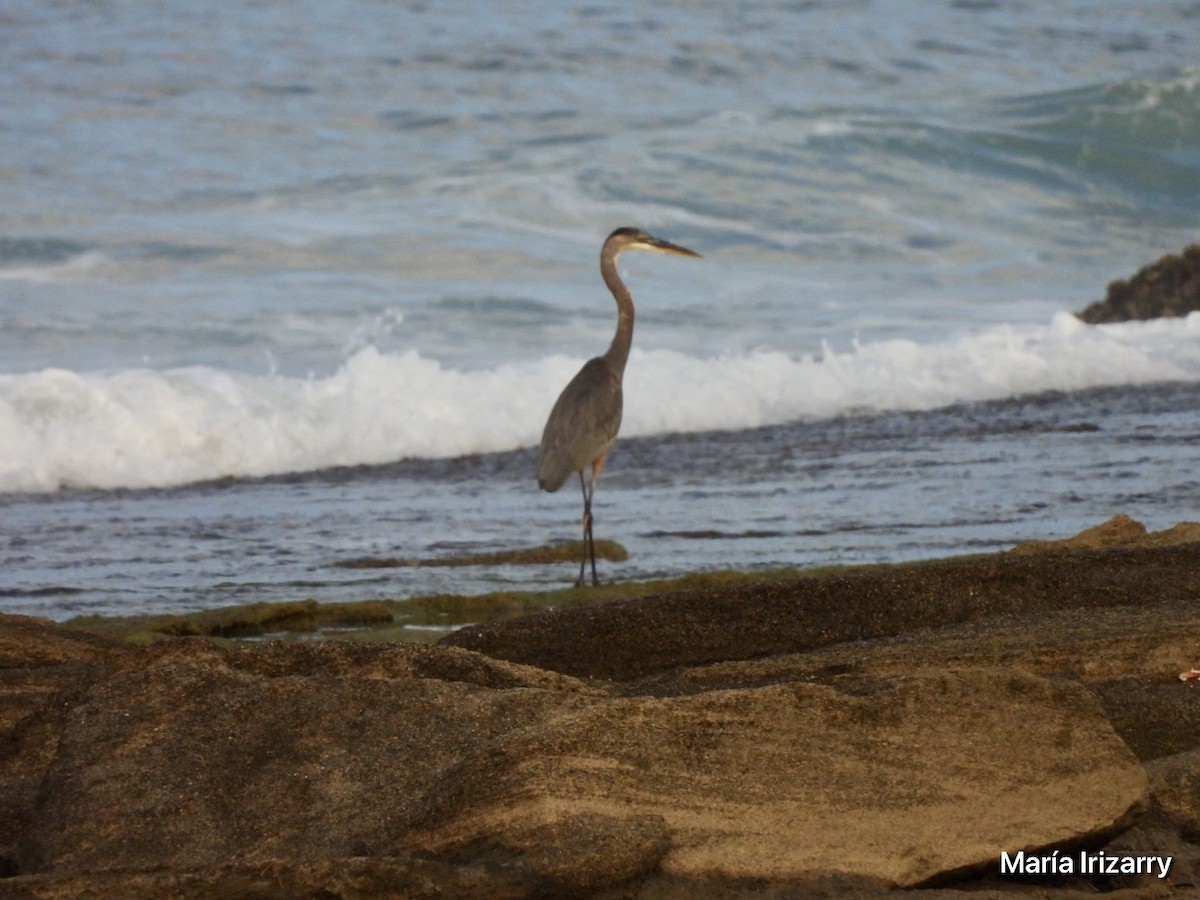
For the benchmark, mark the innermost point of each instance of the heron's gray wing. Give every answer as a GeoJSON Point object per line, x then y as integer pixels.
{"type": "Point", "coordinates": [582, 425]}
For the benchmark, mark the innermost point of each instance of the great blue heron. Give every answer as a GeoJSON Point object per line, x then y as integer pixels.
{"type": "Point", "coordinates": [587, 415]}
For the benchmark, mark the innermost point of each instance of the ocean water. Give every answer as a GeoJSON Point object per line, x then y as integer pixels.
{"type": "Point", "coordinates": [283, 285]}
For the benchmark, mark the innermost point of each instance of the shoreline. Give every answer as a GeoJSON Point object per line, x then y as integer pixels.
{"type": "Point", "coordinates": [846, 732]}
{"type": "Point", "coordinates": [429, 618]}
{"type": "Point", "coordinates": [433, 617]}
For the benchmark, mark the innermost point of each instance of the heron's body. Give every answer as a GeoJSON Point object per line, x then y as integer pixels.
{"type": "Point", "coordinates": [587, 418]}
{"type": "Point", "coordinates": [587, 415]}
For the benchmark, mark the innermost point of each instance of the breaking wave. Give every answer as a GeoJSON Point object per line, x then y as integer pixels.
{"type": "Point", "coordinates": [142, 428]}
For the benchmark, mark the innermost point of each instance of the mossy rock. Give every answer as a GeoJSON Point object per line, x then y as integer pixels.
{"type": "Point", "coordinates": [1169, 287]}
{"type": "Point", "coordinates": [523, 556]}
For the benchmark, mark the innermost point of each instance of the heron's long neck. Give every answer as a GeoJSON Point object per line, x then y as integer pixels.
{"type": "Point", "coordinates": [618, 350]}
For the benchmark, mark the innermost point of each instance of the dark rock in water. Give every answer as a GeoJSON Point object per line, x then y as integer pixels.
{"type": "Point", "coordinates": [1168, 287]}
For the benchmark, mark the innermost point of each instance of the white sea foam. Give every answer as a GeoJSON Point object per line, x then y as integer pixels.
{"type": "Point", "coordinates": [146, 428]}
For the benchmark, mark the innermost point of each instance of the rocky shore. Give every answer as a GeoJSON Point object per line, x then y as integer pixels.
{"type": "Point", "coordinates": [978, 727]}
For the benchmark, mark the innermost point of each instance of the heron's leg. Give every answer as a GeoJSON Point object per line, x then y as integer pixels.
{"type": "Point", "coordinates": [597, 465]}
{"type": "Point", "coordinates": [587, 530]}
{"type": "Point", "coordinates": [591, 540]}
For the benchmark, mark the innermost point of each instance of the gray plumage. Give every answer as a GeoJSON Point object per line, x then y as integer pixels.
{"type": "Point", "coordinates": [583, 424]}
{"type": "Point", "coordinates": [587, 415]}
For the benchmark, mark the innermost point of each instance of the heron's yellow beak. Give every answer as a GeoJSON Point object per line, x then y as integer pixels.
{"type": "Point", "coordinates": [667, 247]}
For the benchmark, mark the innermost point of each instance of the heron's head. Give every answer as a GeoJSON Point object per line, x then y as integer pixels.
{"type": "Point", "coordinates": [636, 239]}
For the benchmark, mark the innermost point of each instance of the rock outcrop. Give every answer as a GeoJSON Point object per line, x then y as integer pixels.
{"type": "Point", "coordinates": [893, 781]}
{"type": "Point", "coordinates": [1170, 286]}
{"type": "Point", "coordinates": [640, 637]}
{"type": "Point", "coordinates": [900, 729]}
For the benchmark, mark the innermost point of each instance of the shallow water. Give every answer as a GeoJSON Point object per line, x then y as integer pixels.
{"type": "Point", "coordinates": [286, 285]}
{"type": "Point", "coordinates": [872, 488]}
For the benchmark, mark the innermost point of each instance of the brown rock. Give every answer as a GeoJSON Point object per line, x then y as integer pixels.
{"type": "Point", "coordinates": [1155, 834]}
{"type": "Point", "coordinates": [30, 643]}
{"type": "Point", "coordinates": [825, 737]}
{"type": "Point", "coordinates": [1175, 784]}
{"type": "Point", "coordinates": [1170, 286]}
{"type": "Point", "coordinates": [1157, 716]}
{"type": "Point", "coordinates": [1129, 656]}
{"type": "Point", "coordinates": [43, 669]}
{"type": "Point", "coordinates": [280, 879]}
{"type": "Point", "coordinates": [637, 638]}
{"type": "Point", "coordinates": [188, 758]}
{"type": "Point", "coordinates": [1119, 531]}
{"type": "Point", "coordinates": [896, 781]}
{"type": "Point", "coordinates": [192, 756]}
